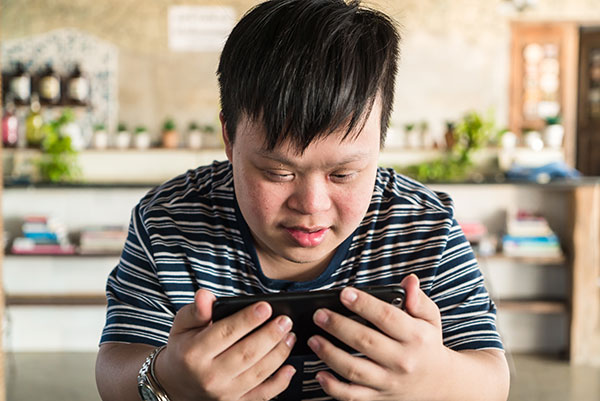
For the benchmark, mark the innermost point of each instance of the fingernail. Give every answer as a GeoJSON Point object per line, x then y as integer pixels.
{"type": "Point", "coordinates": [320, 316]}
{"type": "Point", "coordinates": [284, 323]}
{"type": "Point", "coordinates": [320, 378]}
{"type": "Point", "coordinates": [291, 371]}
{"type": "Point", "coordinates": [313, 343]}
{"type": "Point", "coordinates": [349, 295]}
{"type": "Point", "coordinates": [290, 340]}
{"type": "Point", "coordinates": [262, 309]}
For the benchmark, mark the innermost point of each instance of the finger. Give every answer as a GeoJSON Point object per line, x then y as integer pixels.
{"type": "Point", "coordinates": [377, 346]}
{"type": "Point", "coordinates": [247, 352]}
{"type": "Point", "coordinates": [418, 304]}
{"type": "Point", "coordinates": [273, 386]}
{"type": "Point", "coordinates": [195, 315]}
{"type": "Point", "coordinates": [224, 333]}
{"type": "Point", "coordinates": [345, 391]}
{"type": "Point", "coordinates": [390, 319]}
{"type": "Point", "coordinates": [263, 369]}
{"type": "Point", "coordinates": [353, 368]}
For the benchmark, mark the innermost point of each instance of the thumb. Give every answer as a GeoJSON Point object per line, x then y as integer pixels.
{"type": "Point", "coordinates": [418, 304]}
{"type": "Point", "coordinates": [195, 315]}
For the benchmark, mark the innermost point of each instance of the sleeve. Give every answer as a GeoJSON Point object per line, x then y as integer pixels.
{"type": "Point", "coordinates": [138, 309]}
{"type": "Point", "coordinates": [468, 313]}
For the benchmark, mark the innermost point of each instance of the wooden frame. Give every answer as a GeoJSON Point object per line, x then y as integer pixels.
{"type": "Point", "coordinates": [2, 295]}
{"type": "Point", "coordinates": [588, 129]}
{"type": "Point", "coordinates": [585, 290]}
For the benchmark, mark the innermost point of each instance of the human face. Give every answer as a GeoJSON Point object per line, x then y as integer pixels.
{"type": "Point", "coordinates": [300, 208]}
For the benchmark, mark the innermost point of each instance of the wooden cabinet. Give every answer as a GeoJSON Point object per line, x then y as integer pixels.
{"type": "Point", "coordinates": [544, 304]}
{"type": "Point", "coordinates": [555, 70]}
{"type": "Point", "coordinates": [588, 110]}
{"type": "Point", "coordinates": [543, 83]}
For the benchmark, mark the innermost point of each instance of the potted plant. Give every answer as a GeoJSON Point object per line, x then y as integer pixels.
{"type": "Point", "coordinates": [425, 136]}
{"type": "Point", "coordinates": [141, 139]}
{"type": "Point", "coordinates": [469, 134]}
{"type": "Point", "coordinates": [170, 136]}
{"type": "Point", "coordinates": [58, 162]}
{"type": "Point", "coordinates": [123, 138]}
{"type": "Point", "coordinates": [100, 137]}
{"type": "Point", "coordinates": [194, 136]}
{"type": "Point", "coordinates": [413, 139]}
{"type": "Point", "coordinates": [210, 137]}
{"type": "Point", "coordinates": [554, 132]}
{"type": "Point", "coordinates": [449, 134]}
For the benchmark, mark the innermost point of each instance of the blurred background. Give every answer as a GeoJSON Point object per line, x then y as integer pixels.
{"type": "Point", "coordinates": [497, 103]}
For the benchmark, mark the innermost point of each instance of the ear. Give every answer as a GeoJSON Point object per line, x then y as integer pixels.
{"type": "Point", "coordinates": [226, 141]}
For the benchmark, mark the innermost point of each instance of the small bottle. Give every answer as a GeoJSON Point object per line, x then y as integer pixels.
{"type": "Point", "coordinates": [33, 124]}
{"type": "Point", "coordinates": [449, 135]}
{"type": "Point", "coordinates": [78, 88]}
{"type": "Point", "coordinates": [19, 86]}
{"type": "Point", "coordinates": [49, 86]}
{"type": "Point", "coordinates": [10, 126]}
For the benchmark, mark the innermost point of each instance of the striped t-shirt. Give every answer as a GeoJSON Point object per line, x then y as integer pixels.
{"type": "Point", "coordinates": [189, 234]}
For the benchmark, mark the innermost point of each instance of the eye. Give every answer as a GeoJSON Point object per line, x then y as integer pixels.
{"type": "Point", "coordinates": [343, 177]}
{"type": "Point", "coordinates": [278, 175]}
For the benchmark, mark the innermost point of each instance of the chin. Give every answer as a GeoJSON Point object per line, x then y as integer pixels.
{"type": "Point", "coordinates": [312, 256]}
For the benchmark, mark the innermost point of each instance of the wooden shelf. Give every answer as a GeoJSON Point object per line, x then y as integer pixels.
{"type": "Point", "coordinates": [62, 255]}
{"type": "Point", "coordinates": [533, 306]}
{"type": "Point", "coordinates": [530, 260]}
{"type": "Point", "coordinates": [56, 300]}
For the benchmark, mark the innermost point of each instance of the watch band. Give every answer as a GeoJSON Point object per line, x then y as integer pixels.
{"type": "Point", "coordinates": [148, 386]}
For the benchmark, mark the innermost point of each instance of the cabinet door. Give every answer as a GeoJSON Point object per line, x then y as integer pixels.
{"type": "Point", "coordinates": [544, 78]}
{"type": "Point", "coordinates": [588, 111]}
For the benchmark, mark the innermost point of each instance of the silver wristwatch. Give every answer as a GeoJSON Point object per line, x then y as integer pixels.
{"type": "Point", "coordinates": [149, 388]}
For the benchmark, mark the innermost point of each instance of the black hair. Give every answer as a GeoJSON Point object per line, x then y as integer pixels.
{"type": "Point", "coordinates": [305, 68]}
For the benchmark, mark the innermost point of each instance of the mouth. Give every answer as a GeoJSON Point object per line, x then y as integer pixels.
{"type": "Point", "coordinates": [307, 237]}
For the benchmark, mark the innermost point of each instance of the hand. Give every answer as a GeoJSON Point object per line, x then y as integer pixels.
{"type": "Point", "coordinates": [405, 360]}
{"type": "Point", "coordinates": [216, 361]}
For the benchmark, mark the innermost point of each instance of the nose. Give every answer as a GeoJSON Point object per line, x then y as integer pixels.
{"type": "Point", "coordinates": [310, 196]}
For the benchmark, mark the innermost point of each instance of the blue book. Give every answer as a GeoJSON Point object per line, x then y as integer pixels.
{"type": "Point", "coordinates": [42, 236]}
{"type": "Point", "coordinates": [547, 240]}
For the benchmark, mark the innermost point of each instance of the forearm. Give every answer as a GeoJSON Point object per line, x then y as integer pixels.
{"type": "Point", "coordinates": [117, 367]}
{"type": "Point", "coordinates": [476, 375]}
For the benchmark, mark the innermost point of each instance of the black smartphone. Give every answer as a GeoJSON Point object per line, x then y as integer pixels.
{"type": "Point", "coordinates": [300, 307]}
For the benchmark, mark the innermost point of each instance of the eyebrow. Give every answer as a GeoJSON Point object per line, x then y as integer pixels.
{"type": "Point", "coordinates": [289, 162]}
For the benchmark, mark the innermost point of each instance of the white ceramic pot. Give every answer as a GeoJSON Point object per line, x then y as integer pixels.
{"type": "Point", "coordinates": [553, 136]}
{"type": "Point", "coordinates": [508, 141]}
{"type": "Point", "coordinates": [100, 140]}
{"type": "Point", "coordinates": [123, 140]}
{"type": "Point", "coordinates": [141, 140]}
{"type": "Point", "coordinates": [413, 139]}
{"type": "Point", "coordinates": [534, 141]}
{"type": "Point", "coordinates": [194, 139]}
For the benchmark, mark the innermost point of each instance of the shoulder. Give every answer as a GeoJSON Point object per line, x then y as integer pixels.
{"type": "Point", "coordinates": [393, 189]}
{"type": "Point", "coordinates": [209, 185]}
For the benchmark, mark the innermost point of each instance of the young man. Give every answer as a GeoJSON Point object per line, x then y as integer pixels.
{"type": "Point", "coordinates": [306, 90]}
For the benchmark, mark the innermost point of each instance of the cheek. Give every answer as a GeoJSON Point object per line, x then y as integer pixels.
{"type": "Point", "coordinates": [261, 202]}
{"type": "Point", "coordinates": [352, 206]}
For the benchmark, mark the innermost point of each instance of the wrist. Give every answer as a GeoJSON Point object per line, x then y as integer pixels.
{"type": "Point", "coordinates": [149, 387]}
{"type": "Point", "coordinates": [168, 379]}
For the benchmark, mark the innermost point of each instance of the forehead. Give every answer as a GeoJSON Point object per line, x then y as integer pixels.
{"type": "Point", "coordinates": [366, 133]}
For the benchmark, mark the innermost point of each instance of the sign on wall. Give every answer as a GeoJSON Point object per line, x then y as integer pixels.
{"type": "Point", "coordinates": [199, 28]}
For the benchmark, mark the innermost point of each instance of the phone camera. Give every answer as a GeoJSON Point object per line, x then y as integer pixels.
{"type": "Point", "coordinates": [397, 302]}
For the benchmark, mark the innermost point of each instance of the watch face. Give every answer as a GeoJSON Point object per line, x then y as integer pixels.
{"type": "Point", "coordinates": [147, 393]}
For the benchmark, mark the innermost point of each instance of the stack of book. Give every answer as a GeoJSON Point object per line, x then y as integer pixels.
{"type": "Point", "coordinates": [42, 235]}
{"type": "Point", "coordinates": [529, 235]}
{"type": "Point", "coordinates": [103, 240]}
